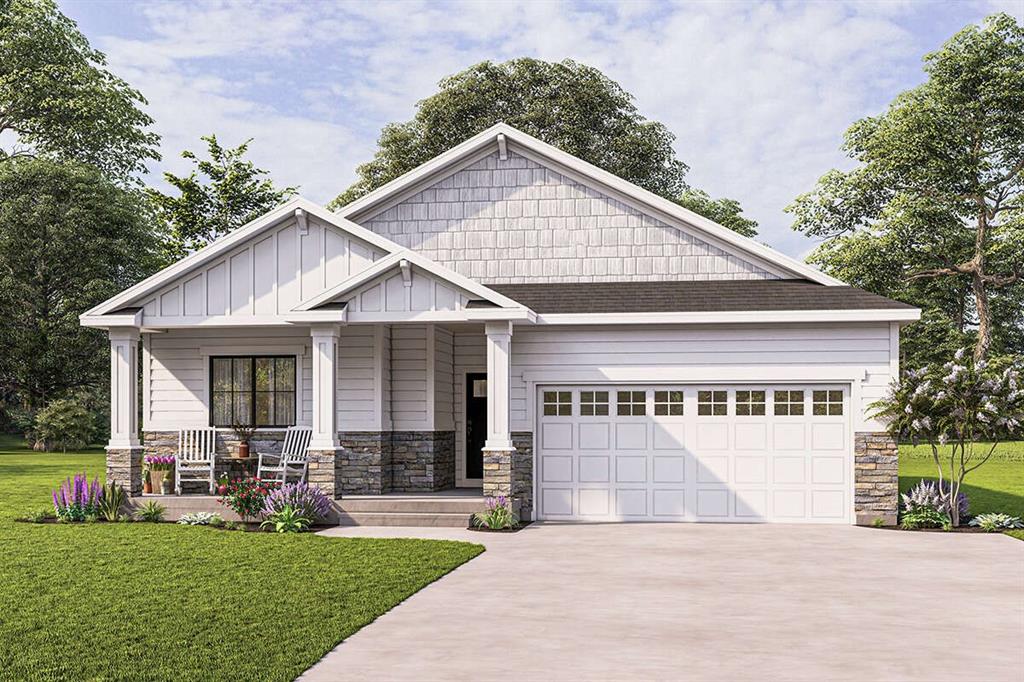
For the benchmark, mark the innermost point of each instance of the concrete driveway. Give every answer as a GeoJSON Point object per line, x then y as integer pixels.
{"type": "Point", "coordinates": [704, 602]}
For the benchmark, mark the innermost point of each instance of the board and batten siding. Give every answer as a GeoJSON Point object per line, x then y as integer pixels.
{"type": "Point", "coordinates": [517, 221]}
{"type": "Point", "coordinates": [705, 354]}
{"type": "Point", "coordinates": [265, 277]}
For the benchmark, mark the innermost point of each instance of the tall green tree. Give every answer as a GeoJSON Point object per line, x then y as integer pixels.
{"type": "Point", "coordinates": [934, 212]}
{"type": "Point", "coordinates": [567, 104]}
{"type": "Point", "coordinates": [69, 239]}
{"type": "Point", "coordinates": [221, 194]}
{"type": "Point", "coordinates": [725, 212]}
{"type": "Point", "coordinates": [57, 99]}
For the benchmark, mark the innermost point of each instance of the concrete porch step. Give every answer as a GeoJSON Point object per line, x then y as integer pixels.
{"type": "Point", "coordinates": [420, 519]}
{"type": "Point", "coordinates": [408, 504]}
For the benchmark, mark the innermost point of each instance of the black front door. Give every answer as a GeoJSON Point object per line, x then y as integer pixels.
{"type": "Point", "coordinates": [476, 424]}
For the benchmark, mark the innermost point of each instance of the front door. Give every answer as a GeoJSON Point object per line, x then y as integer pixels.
{"type": "Point", "coordinates": [476, 424]}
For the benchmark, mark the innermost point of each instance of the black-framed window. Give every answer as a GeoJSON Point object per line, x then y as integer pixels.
{"type": "Point", "coordinates": [252, 390]}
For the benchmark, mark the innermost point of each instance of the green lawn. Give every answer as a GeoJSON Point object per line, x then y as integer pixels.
{"type": "Point", "coordinates": [998, 486]}
{"type": "Point", "coordinates": [145, 601]}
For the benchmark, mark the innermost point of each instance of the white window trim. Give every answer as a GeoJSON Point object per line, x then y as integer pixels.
{"type": "Point", "coordinates": [300, 353]}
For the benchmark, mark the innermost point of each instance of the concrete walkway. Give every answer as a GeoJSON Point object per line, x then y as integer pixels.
{"type": "Point", "coordinates": [703, 602]}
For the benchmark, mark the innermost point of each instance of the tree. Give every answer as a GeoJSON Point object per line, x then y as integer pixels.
{"type": "Point", "coordinates": [567, 104]}
{"type": "Point", "coordinates": [58, 100]}
{"type": "Point", "coordinates": [69, 239]}
{"type": "Point", "coordinates": [939, 193]}
{"type": "Point", "coordinates": [962, 409]}
{"type": "Point", "coordinates": [725, 212]}
{"type": "Point", "coordinates": [234, 194]}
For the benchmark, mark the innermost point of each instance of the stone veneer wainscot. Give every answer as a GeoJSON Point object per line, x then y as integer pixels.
{"type": "Point", "coordinates": [876, 477]}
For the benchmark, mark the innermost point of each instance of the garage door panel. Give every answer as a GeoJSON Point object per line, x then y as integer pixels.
{"type": "Point", "coordinates": [556, 469]}
{"type": "Point", "coordinates": [630, 502]}
{"type": "Point", "coordinates": [713, 503]}
{"type": "Point", "coordinates": [762, 453]}
{"type": "Point", "coordinates": [595, 468]}
{"type": "Point", "coordinates": [669, 436]}
{"type": "Point", "coordinates": [670, 469]}
{"type": "Point", "coordinates": [556, 436]}
{"type": "Point", "coordinates": [631, 469]}
{"type": "Point", "coordinates": [594, 501]}
{"type": "Point", "coordinates": [594, 436]}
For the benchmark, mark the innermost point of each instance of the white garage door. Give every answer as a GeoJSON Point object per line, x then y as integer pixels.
{"type": "Point", "coordinates": [695, 453]}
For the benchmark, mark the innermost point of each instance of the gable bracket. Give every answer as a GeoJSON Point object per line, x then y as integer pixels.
{"type": "Point", "coordinates": [406, 272]}
{"type": "Point", "coordinates": [300, 217]}
{"type": "Point", "coordinates": [502, 147]}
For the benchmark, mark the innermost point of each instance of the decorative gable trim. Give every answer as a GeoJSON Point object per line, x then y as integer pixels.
{"type": "Point", "coordinates": [485, 143]}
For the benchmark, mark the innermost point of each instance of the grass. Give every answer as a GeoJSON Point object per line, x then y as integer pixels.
{"type": "Point", "coordinates": [998, 486]}
{"type": "Point", "coordinates": [161, 601]}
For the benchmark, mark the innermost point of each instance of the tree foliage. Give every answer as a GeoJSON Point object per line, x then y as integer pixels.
{"type": "Point", "coordinates": [567, 104]}
{"type": "Point", "coordinates": [57, 98]}
{"type": "Point", "coordinates": [221, 194]}
{"type": "Point", "coordinates": [934, 213]}
{"type": "Point", "coordinates": [69, 239]}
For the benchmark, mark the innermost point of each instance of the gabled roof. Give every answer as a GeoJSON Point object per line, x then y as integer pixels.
{"type": "Point", "coordinates": [229, 241]}
{"type": "Point", "coordinates": [403, 258]}
{"type": "Point", "coordinates": [502, 136]}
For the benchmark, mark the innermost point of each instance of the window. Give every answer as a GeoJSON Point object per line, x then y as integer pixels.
{"type": "Point", "coordinates": [750, 403]}
{"type": "Point", "coordinates": [479, 388]}
{"type": "Point", "coordinates": [668, 403]}
{"type": "Point", "coordinates": [557, 403]}
{"type": "Point", "coordinates": [827, 402]}
{"type": "Point", "coordinates": [631, 403]}
{"type": "Point", "coordinates": [594, 403]}
{"type": "Point", "coordinates": [713, 403]}
{"type": "Point", "coordinates": [789, 403]}
{"type": "Point", "coordinates": [257, 391]}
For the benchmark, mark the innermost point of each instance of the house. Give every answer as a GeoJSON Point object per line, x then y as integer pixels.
{"type": "Point", "coordinates": [507, 317]}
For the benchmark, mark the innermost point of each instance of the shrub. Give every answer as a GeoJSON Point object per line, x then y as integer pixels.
{"type": "Point", "coordinates": [112, 497]}
{"type": "Point", "coordinates": [498, 516]}
{"type": "Point", "coordinates": [992, 522]}
{"type": "Point", "coordinates": [151, 512]}
{"type": "Point", "coordinates": [936, 495]}
{"type": "Point", "coordinates": [924, 517]}
{"type": "Point", "coordinates": [199, 519]}
{"type": "Point", "coordinates": [38, 516]}
{"type": "Point", "coordinates": [286, 520]}
{"type": "Point", "coordinates": [76, 498]}
{"type": "Point", "coordinates": [65, 424]}
{"type": "Point", "coordinates": [246, 496]}
{"type": "Point", "coordinates": [309, 501]}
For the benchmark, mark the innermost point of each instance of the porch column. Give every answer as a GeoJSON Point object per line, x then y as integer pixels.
{"type": "Point", "coordinates": [498, 450]}
{"type": "Point", "coordinates": [323, 444]}
{"type": "Point", "coordinates": [124, 451]}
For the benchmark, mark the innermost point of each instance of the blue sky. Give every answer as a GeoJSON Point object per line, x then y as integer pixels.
{"type": "Point", "coordinates": [757, 93]}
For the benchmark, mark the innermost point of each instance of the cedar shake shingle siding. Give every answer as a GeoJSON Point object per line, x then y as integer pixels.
{"type": "Point", "coordinates": [710, 296]}
{"type": "Point", "coordinates": [517, 221]}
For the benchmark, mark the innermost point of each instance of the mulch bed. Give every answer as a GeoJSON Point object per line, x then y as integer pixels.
{"type": "Point", "coordinates": [518, 528]}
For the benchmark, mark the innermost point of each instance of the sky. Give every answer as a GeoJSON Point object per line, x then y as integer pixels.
{"type": "Point", "coordinates": [758, 94]}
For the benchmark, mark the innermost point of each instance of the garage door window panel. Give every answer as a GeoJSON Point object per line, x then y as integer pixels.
{"type": "Point", "coordinates": [631, 403]}
{"type": "Point", "coordinates": [827, 403]}
{"type": "Point", "coordinates": [668, 403]}
{"type": "Point", "coordinates": [789, 403]}
{"type": "Point", "coordinates": [712, 403]}
{"type": "Point", "coordinates": [594, 403]}
{"type": "Point", "coordinates": [557, 403]}
{"type": "Point", "coordinates": [750, 403]}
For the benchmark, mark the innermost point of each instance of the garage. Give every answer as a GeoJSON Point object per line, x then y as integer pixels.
{"type": "Point", "coordinates": [710, 453]}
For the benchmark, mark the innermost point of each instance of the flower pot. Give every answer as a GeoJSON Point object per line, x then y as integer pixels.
{"type": "Point", "coordinates": [147, 486]}
{"type": "Point", "coordinates": [156, 478]}
{"type": "Point", "coordinates": [242, 450]}
{"type": "Point", "coordinates": [166, 485]}
{"type": "Point", "coordinates": [222, 490]}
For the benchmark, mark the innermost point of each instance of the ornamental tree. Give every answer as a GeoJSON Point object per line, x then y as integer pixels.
{"type": "Point", "coordinates": [963, 409]}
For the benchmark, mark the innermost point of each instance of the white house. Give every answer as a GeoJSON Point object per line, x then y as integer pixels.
{"type": "Point", "coordinates": [511, 318]}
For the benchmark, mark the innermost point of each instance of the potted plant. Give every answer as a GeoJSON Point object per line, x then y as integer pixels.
{"type": "Point", "coordinates": [147, 483]}
{"type": "Point", "coordinates": [244, 433]}
{"type": "Point", "coordinates": [159, 468]}
{"type": "Point", "coordinates": [222, 484]}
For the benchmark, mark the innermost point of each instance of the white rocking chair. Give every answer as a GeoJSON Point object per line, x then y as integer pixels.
{"type": "Point", "coordinates": [195, 458]}
{"type": "Point", "coordinates": [293, 460]}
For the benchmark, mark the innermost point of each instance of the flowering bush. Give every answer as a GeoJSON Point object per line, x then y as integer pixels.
{"type": "Point", "coordinates": [954, 407]}
{"type": "Point", "coordinates": [499, 515]}
{"type": "Point", "coordinates": [75, 499]}
{"type": "Point", "coordinates": [924, 517]}
{"type": "Point", "coordinates": [935, 494]}
{"type": "Point", "coordinates": [246, 496]}
{"type": "Point", "coordinates": [160, 462]}
{"type": "Point", "coordinates": [286, 520]}
{"type": "Point", "coordinates": [308, 501]}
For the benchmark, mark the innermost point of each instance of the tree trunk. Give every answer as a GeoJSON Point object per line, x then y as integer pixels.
{"type": "Point", "coordinates": [981, 346]}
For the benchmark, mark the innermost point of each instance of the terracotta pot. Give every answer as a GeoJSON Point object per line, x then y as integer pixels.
{"type": "Point", "coordinates": [222, 490]}
{"type": "Point", "coordinates": [147, 486]}
{"type": "Point", "coordinates": [242, 450]}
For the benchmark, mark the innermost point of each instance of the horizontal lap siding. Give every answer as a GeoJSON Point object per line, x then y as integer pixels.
{"type": "Point", "coordinates": [443, 380]}
{"type": "Point", "coordinates": [409, 378]}
{"type": "Point", "coordinates": [356, 379]}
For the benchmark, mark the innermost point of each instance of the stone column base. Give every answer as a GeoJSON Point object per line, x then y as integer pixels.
{"type": "Point", "coordinates": [124, 468]}
{"type": "Point", "coordinates": [876, 479]}
{"type": "Point", "coordinates": [322, 471]}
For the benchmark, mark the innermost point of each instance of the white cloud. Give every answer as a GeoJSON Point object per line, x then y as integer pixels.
{"type": "Point", "coordinates": [758, 94]}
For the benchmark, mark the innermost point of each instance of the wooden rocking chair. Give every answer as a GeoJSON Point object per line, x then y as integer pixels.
{"type": "Point", "coordinates": [195, 458]}
{"type": "Point", "coordinates": [293, 460]}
